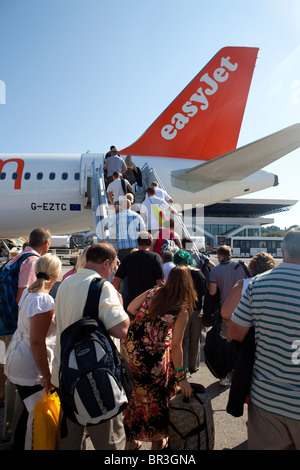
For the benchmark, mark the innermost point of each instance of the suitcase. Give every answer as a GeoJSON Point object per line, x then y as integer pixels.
{"type": "Point", "coordinates": [191, 425]}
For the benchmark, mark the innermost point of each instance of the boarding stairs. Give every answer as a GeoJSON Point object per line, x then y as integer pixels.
{"type": "Point", "coordinates": [148, 176]}
{"type": "Point", "coordinates": [97, 199]}
{"type": "Point", "coordinates": [99, 203]}
{"type": "Point", "coordinates": [92, 188]}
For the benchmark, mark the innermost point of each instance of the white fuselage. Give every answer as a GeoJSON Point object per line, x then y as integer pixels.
{"type": "Point", "coordinates": [48, 190]}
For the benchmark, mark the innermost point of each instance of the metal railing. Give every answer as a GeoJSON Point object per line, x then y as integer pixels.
{"type": "Point", "coordinates": [100, 203]}
{"type": "Point", "coordinates": [149, 175]}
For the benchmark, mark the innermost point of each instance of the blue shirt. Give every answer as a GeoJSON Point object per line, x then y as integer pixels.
{"type": "Point", "coordinates": [128, 226]}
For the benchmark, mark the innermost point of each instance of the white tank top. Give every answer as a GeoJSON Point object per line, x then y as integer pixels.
{"type": "Point", "coordinates": [245, 284]}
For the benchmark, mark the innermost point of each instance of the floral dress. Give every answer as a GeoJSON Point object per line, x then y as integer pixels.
{"type": "Point", "coordinates": [147, 350]}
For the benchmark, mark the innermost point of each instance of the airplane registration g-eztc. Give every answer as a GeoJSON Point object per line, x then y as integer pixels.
{"type": "Point", "coordinates": [191, 146]}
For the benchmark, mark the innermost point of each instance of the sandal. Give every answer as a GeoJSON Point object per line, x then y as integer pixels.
{"type": "Point", "coordinates": [166, 443]}
{"type": "Point", "coordinates": [134, 445]}
{"type": "Point", "coordinates": [138, 445]}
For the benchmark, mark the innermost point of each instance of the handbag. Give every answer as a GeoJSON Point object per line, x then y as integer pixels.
{"type": "Point", "coordinates": [220, 353]}
{"type": "Point", "coordinates": [211, 308]}
{"type": "Point", "coordinates": [46, 422]}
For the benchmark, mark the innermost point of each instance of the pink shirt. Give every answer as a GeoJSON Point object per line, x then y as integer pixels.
{"type": "Point", "coordinates": [27, 268]}
{"type": "Point", "coordinates": [69, 273]}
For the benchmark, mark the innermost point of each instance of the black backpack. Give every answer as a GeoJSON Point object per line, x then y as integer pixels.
{"type": "Point", "coordinates": [244, 266]}
{"type": "Point", "coordinates": [9, 277]}
{"type": "Point", "coordinates": [95, 381]}
{"type": "Point", "coordinates": [211, 308]}
{"type": "Point", "coordinates": [205, 268]}
{"type": "Point", "coordinates": [138, 176]}
{"type": "Point", "coordinates": [125, 188]}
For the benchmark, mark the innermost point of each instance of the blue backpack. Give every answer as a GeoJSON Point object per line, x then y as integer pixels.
{"type": "Point", "coordinates": [95, 381]}
{"type": "Point", "coordinates": [9, 277]}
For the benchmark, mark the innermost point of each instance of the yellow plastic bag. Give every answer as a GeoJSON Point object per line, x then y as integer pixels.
{"type": "Point", "coordinates": [46, 422]}
{"type": "Point", "coordinates": [161, 217]}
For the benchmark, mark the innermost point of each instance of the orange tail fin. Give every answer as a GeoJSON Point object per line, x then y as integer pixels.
{"type": "Point", "coordinates": [204, 121]}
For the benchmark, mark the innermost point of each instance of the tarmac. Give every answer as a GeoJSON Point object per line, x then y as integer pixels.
{"type": "Point", "coordinates": [230, 432]}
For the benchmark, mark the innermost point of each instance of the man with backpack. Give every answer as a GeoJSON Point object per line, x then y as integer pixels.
{"type": "Point", "coordinates": [226, 274]}
{"type": "Point", "coordinates": [71, 297]}
{"type": "Point", "coordinates": [118, 187]}
{"type": "Point", "coordinates": [38, 245]}
{"type": "Point", "coordinates": [166, 239]}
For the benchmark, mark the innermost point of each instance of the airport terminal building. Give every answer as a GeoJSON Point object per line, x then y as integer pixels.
{"type": "Point", "coordinates": [240, 219]}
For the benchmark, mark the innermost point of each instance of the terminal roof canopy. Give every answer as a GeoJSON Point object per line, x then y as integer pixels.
{"type": "Point", "coordinates": [248, 207]}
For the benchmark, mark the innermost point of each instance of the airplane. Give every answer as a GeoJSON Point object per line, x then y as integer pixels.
{"type": "Point", "coordinates": [192, 146]}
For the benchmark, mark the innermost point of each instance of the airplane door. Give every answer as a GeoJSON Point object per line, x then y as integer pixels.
{"type": "Point", "coordinates": [85, 171]}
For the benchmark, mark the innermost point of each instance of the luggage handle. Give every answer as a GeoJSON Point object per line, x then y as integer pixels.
{"type": "Point", "coordinates": [197, 388]}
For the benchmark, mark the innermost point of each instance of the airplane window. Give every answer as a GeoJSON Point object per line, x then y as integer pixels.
{"type": "Point", "coordinates": [2, 175]}
{"type": "Point", "coordinates": [27, 175]}
{"type": "Point", "coordinates": [77, 176]}
{"type": "Point", "coordinates": [39, 176]}
{"type": "Point", "coordinates": [15, 175]}
{"type": "Point", "coordinates": [52, 176]}
{"type": "Point", "coordinates": [64, 176]}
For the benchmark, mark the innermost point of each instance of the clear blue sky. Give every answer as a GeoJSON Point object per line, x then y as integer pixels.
{"type": "Point", "coordinates": [85, 74]}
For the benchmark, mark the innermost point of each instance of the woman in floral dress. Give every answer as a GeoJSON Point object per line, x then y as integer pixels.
{"type": "Point", "coordinates": [153, 349]}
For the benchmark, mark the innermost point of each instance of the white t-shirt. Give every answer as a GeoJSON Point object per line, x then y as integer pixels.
{"type": "Point", "coordinates": [116, 188]}
{"type": "Point", "coordinates": [150, 208]}
{"type": "Point", "coordinates": [167, 268]}
{"type": "Point", "coordinates": [20, 367]}
{"type": "Point", "coordinates": [162, 194]}
{"type": "Point", "coordinates": [70, 302]}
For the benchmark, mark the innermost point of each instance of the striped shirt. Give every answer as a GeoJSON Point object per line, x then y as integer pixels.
{"type": "Point", "coordinates": [271, 304]}
{"type": "Point", "coordinates": [128, 226]}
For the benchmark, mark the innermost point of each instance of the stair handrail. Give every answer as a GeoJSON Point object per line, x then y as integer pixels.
{"type": "Point", "coordinates": [100, 202]}
{"type": "Point", "coordinates": [146, 171]}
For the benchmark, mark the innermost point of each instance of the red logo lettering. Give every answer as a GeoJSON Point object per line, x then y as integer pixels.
{"type": "Point", "coordinates": [20, 168]}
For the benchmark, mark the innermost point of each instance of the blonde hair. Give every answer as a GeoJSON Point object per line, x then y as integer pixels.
{"type": "Point", "coordinates": [130, 197]}
{"type": "Point", "coordinates": [128, 160]}
{"type": "Point", "coordinates": [47, 268]}
{"type": "Point", "coordinates": [81, 260]}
